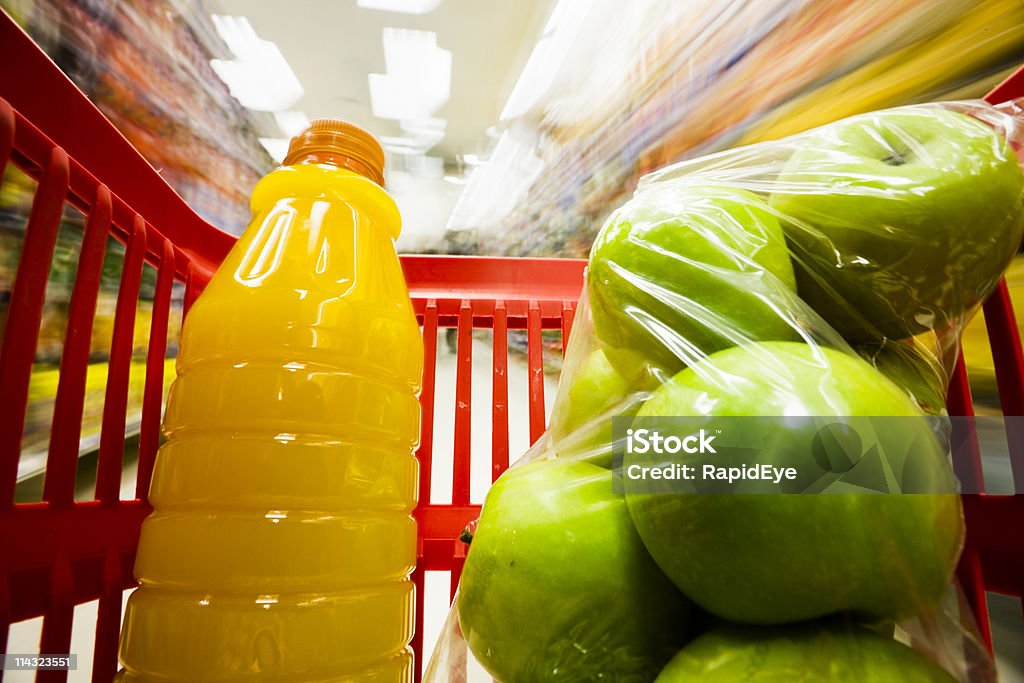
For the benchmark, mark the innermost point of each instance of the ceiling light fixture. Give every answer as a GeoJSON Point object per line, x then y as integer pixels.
{"type": "Point", "coordinates": [291, 123]}
{"type": "Point", "coordinates": [402, 6]}
{"type": "Point", "coordinates": [418, 78]}
{"type": "Point", "coordinates": [494, 189]}
{"type": "Point", "coordinates": [259, 77]}
{"type": "Point", "coordinates": [550, 52]}
{"type": "Point", "coordinates": [277, 148]}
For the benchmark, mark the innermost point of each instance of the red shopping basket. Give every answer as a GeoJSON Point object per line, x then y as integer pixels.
{"type": "Point", "coordinates": [59, 553]}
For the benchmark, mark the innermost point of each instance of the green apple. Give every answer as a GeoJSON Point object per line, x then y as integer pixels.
{"type": "Point", "coordinates": [681, 271]}
{"type": "Point", "coordinates": [822, 653]}
{"type": "Point", "coordinates": [778, 558]}
{"type": "Point", "coordinates": [900, 220]}
{"type": "Point", "coordinates": [581, 420]}
{"type": "Point", "coordinates": [592, 387]}
{"type": "Point", "coordinates": [558, 587]}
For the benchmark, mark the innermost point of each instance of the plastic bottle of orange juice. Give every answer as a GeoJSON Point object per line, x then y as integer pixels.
{"type": "Point", "coordinates": [281, 542]}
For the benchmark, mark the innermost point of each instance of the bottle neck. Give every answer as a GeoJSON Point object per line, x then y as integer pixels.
{"type": "Point", "coordinates": [339, 160]}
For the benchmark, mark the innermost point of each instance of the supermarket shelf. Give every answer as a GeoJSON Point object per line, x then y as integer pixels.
{"type": "Point", "coordinates": [154, 82]}
{"type": "Point", "coordinates": [42, 394]}
{"type": "Point", "coordinates": [33, 462]}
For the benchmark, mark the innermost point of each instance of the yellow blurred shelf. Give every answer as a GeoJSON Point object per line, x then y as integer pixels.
{"type": "Point", "coordinates": [43, 393]}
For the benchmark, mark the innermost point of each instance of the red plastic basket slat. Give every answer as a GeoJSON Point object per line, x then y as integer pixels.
{"type": "Point", "coordinates": [82, 533]}
{"type": "Point", "coordinates": [6, 134]}
{"type": "Point", "coordinates": [62, 459]}
{"type": "Point", "coordinates": [418, 580]}
{"type": "Point", "coordinates": [969, 572]}
{"type": "Point", "coordinates": [56, 636]}
{"type": "Point", "coordinates": [194, 283]}
{"type": "Point", "coordinates": [568, 315]}
{"type": "Point", "coordinates": [152, 399]}
{"type": "Point", "coordinates": [6, 618]}
{"type": "Point", "coordinates": [25, 313]}
{"type": "Point", "coordinates": [115, 402]}
{"type": "Point", "coordinates": [967, 457]}
{"type": "Point", "coordinates": [425, 451]}
{"type": "Point", "coordinates": [499, 393]}
{"type": "Point", "coordinates": [463, 405]}
{"type": "Point", "coordinates": [967, 465]}
{"type": "Point", "coordinates": [1007, 357]}
{"type": "Point", "coordinates": [535, 363]}
{"type": "Point", "coordinates": [108, 619]}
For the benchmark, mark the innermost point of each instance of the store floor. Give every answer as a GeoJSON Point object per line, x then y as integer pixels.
{"type": "Point", "coordinates": [1007, 623]}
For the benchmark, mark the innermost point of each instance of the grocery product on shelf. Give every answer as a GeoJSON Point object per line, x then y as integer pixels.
{"type": "Point", "coordinates": [776, 461]}
{"type": "Point", "coordinates": [42, 393]}
{"type": "Point", "coordinates": [146, 65]}
{"type": "Point", "coordinates": [281, 542]}
{"type": "Point", "coordinates": [954, 63]}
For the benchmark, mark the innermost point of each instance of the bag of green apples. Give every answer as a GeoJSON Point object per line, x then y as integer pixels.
{"type": "Point", "coordinates": [747, 474]}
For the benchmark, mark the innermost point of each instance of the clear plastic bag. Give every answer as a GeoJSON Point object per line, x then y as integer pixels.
{"type": "Point", "coordinates": [799, 301]}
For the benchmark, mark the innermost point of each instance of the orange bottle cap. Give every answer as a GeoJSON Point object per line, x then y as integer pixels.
{"type": "Point", "coordinates": [340, 143]}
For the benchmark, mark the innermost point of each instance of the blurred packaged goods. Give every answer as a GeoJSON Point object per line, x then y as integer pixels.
{"type": "Point", "coordinates": [958, 59]}
{"type": "Point", "coordinates": [637, 87]}
{"type": "Point", "coordinates": [42, 392]}
{"type": "Point", "coordinates": [146, 65]}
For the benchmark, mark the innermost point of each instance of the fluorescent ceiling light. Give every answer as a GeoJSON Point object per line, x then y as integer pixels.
{"type": "Point", "coordinates": [472, 160]}
{"type": "Point", "coordinates": [259, 77]}
{"type": "Point", "coordinates": [403, 6]}
{"type": "Point", "coordinates": [277, 148]}
{"type": "Point", "coordinates": [419, 136]}
{"type": "Point", "coordinates": [495, 188]}
{"type": "Point", "coordinates": [429, 125]}
{"type": "Point", "coordinates": [399, 144]}
{"type": "Point", "coordinates": [418, 78]}
{"type": "Point", "coordinates": [291, 123]}
{"type": "Point", "coordinates": [548, 55]}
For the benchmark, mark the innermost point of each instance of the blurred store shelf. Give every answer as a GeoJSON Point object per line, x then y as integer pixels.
{"type": "Point", "coordinates": [628, 89]}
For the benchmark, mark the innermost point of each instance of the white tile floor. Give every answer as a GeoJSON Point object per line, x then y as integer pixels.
{"type": "Point", "coordinates": [1008, 628]}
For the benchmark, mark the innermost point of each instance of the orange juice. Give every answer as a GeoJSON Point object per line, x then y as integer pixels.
{"type": "Point", "coordinates": [281, 541]}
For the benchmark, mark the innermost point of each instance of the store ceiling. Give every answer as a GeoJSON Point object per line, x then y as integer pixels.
{"type": "Point", "coordinates": [332, 45]}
